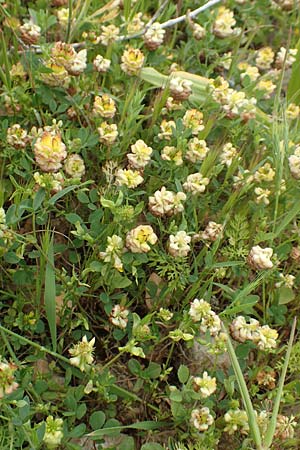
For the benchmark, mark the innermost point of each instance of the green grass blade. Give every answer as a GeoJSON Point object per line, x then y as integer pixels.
{"type": "Point", "coordinates": [272, 425]}
{"type": "Point", "coordinates": [293, 90]}
{"type": "Point", "coordinates": [254, 430]}
{"type": "Point", "coordinates": [50, 292]}
{"type": "Point", "coordinates": [287, 219]}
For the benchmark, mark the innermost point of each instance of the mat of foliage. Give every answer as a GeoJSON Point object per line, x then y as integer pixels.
{"type": "Point", "coordinates": [149, 224]}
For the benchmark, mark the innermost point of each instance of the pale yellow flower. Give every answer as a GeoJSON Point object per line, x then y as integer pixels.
{"type": "Point", "coordinates": [104, 106]}
{"type": "Point", "coordinates": [108, 133]}
{"type": "Point", "coordinates": [82, 354]}
{"type": "Point", "coordinates": [260, 258]}
{"type": "Point", "coordinates": [179, 244]}
{"type": "Point", "coordinates": [201, 419]}
{"type": "Point", "coordinates": [128, 177]}
{"type": "Point", "coordinates": [141, 154]}
{"type": "Point", "coordinates": [139, 239]}
{"type": "Point", "coordinates": [196, 183]}
{"type": "Point", "coordinates": [74, 166]}
{"type": "Point", "coordinates": [49, 152]}
{"type": "Point", "coordinates": [53, 433]}
{"type": "Point", "coordinates": [193, 119]}
{"type": "Point", "coordinates": [132, 61]}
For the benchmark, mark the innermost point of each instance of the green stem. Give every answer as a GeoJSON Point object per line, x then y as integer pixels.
{"type": "Point", "coordinates": [68, 33]}
{"type": "Point", "coordinates": [272, 425]}
{"type": "Point", "coordinates": [254, 429]}
{"type": "Point", "coordinates": [114, 359]}
{"type": "Point", "coordinates": [39, 347]}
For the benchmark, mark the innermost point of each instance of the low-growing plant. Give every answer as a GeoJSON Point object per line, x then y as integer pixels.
{"type": "Point", "coordinates": [149, 224]}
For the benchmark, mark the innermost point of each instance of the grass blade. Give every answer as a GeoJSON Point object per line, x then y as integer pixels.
{"type": "Point", "coordinates": [50, 292]}
{"type": "Point", "coordinates": [272, 425]}
{"type": "Point", "coordinates": [244, 393]}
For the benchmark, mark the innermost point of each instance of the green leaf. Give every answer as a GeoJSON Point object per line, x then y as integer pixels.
{"type": "Point", "coordinates": [152, 446]}
{"type": "Point", "coordinates": [293, 90]}
{"type": "Point", "coordinates": [65, 191]}
{"type": "Point", "coordinates": [254, 429]}
{"type": "Point", "coordinates": [272, 424]}
{"type": "Point", "coordinates": [38, 199]}
{"type": "Point", "coordinates": [97, 420]}
{"type": "Point", "coordinates": [78, 431]}
{"type": "Point", "coordinates": [73, 218]}
{"type": "Point", "coordinates": [50, 293]}
{"type": "Point", "coordinates": [183, 373]}
{"type": "Point", "coordinates": [286, 295]}
{"type": "Point", "coordinates": [145, 425]}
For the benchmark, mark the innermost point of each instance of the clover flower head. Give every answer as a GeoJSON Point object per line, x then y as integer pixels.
{"type": "Point", "coordinates": [193, 119]}
{"type": "Point", "coordinates": [132, 61]}
{"type": "Point", "coordinates": [82, 354]}
{"type": "Point", "coordinates": [236, 420]}
{"type": "Point", "coordinates": [166, 128]}
{"type": "Point", "coordinates": [16, 136]}
{"type": "Point", "coordinates": [267, 87]}
{"type": "Point", "coordinates": [166, 203]}
{"type": "Point", "coordinates": [109, 33]}
{"type": "Point", "coordinates": [180, 89]}
{"type": "Point", "coordinates": [7, 378]}
{"type": "Point", "coordinates": [210, 322]}
{"type": "Point", "coordinates": [224, 23]}
{"type": "Point", "coordinates": [139, 239]}
{"type": "Point", "coordinates": [294, 165]}
{"type": "Point", "coordinates": [198, 31]}
{"type": "Point", "coordinates": [49, 152]}
{"type": "Point", "coordinates": [128, 177]}
{"type": "Point", "coordinates": [74, 166]}
{"type": "Point", "coordinates": [135, 24]}
{"type": "Point", "coordinates": [267, 338]}
{"type": "Point", "coordinates": [197, 150]}
{"type": "Point", "coordinates": [179, 244]}
{"type": "Point", "coordinates": [51, 181]}
{"type": "Point", "coordinates": [206, 385]}
{"type": "Point", "coordinates": [199, 309]}
{"type": "Point", "coordinates": [104, 106]}
{"type": "Point", "coordinates": [113, 252]}
{"type": "Point", "coordinates": [201, 419]}
{"type": "Point", "coordinates": [260, 258]}
{"type": "Point", "coordinates": [101, 64]}
{"type": "Point", "coordinates": [171, 153]}
{"type": "Point", "coordinates": [119, 316]}
{"type": "Point", "coordinates": [242, 331]}
{"type": "Point", "coordinates": [154, 36]}
{"type": "Point", "coordinates": [108, 133]}
{"type": "Point", "coordinates": [195, 183]}
{"type": "Point", "coordinates": [292, 111]}
{"type": "Point", "coordinates": [30, 33]}
{"type": "Point", "coordinates": [212, 231]}
{"type": "Point", "coordinates": [264, 173]}
{"type": "Point", "coordinates": [264, 58]}
{"type": "Point", "coordinates": [262, 195]}
{"type": "Point", "coordinates": [53, 433]}
{"type": "Point", "coordinates": [287, 57]}
{"type": "Point", "coordinates": [141, 154]}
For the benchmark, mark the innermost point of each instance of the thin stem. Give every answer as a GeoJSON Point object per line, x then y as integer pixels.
{"type": "Point", "coordinates": [254, 429]}
{"type": "Point", "coordinates": [272, 425]}
{"type": "Point", "coordinates": [35, 345]}
{"type": "Point", "coordinates": [70, 6]}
